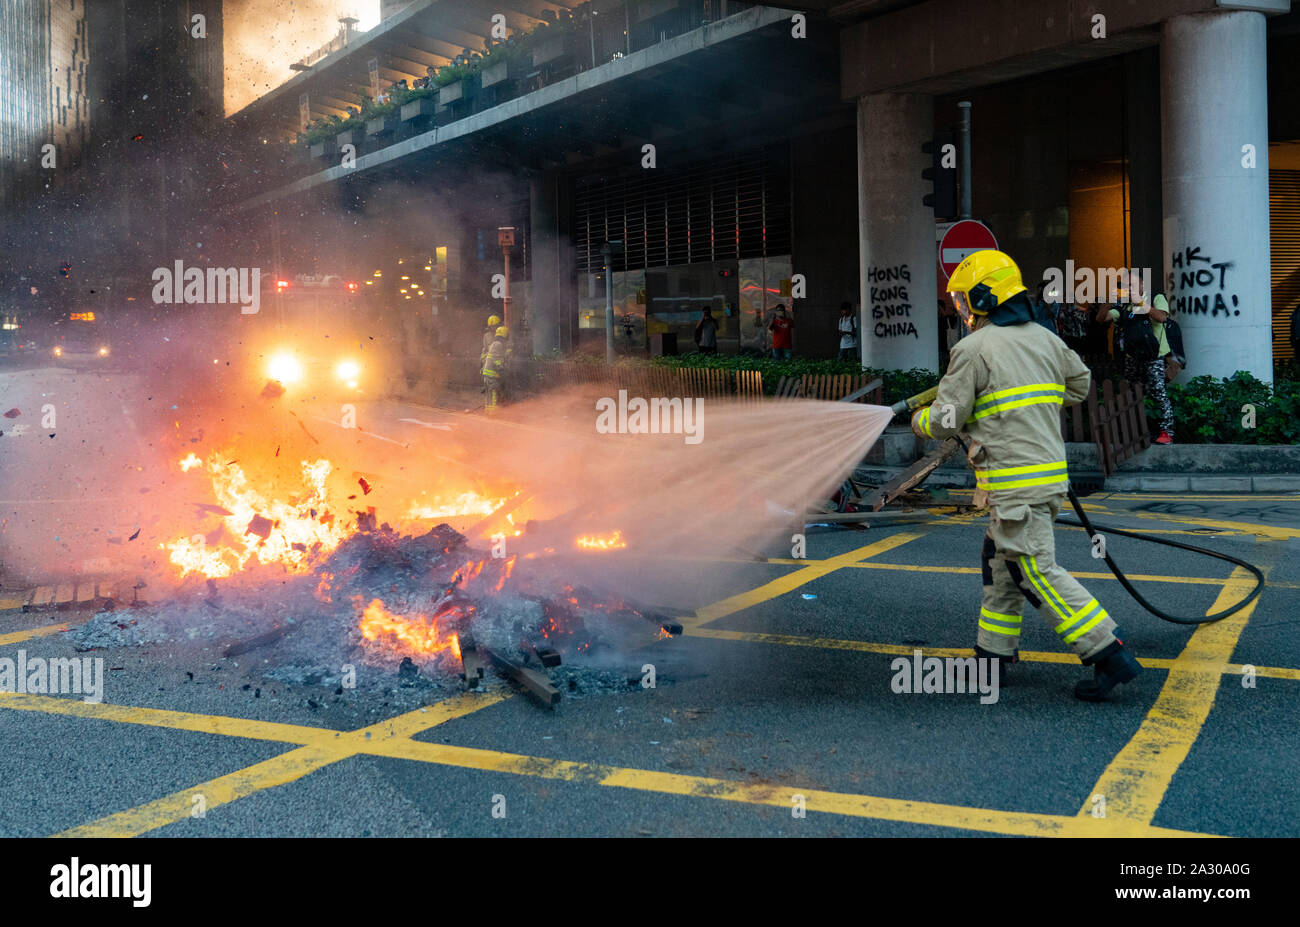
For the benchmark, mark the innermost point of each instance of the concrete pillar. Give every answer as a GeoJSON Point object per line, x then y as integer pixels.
{"type": "Point", "coordinates": [550, 267]}
{"type": "Point", "coordinates": [1214, 139]}
{"type": "Point", "coordinates": [896, 245]}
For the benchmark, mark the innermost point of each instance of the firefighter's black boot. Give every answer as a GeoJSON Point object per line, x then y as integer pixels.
{"type": "Point", "coordinates": [1004, 662]}
{"type": "Point", "coordinates": [1111, 666]}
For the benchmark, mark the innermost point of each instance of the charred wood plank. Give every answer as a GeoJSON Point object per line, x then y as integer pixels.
{"type": "Point", "coordinates": [536, 684]}
{"type": "Point", "coordinates": [912, 477]}
{"type": "Point", "coordinates": [472, 661]}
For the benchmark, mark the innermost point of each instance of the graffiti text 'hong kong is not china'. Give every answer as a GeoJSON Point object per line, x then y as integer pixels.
{"type": "Point", "coordinates": [891, 305]}
{"type": "Point", "coordinates": [1194, 272]}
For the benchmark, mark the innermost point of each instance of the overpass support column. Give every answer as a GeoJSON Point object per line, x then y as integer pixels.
{"type": "Point", "coordinates": [552, 294]}
{"type": "Point", "coordinates": [896, 246]}
{"type": "Point", "coordinates": [1214, 133]}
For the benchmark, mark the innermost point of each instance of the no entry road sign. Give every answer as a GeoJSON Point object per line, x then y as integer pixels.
{"type": "Point", "coordinates": [962, 240]}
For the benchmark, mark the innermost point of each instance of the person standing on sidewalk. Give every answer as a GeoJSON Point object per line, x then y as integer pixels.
{"type": "Point", "coordinates": [781, 327]}
{"type": "Point", "coordinates": [848, 326]}
{"type": "Point", "coordinates": [706, 333]}
{"type": "Point", "coordinates": [1145, 345]}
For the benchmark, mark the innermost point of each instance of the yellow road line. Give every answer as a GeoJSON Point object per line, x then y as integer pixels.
{"type": "Point", "coordinates": [779, 796]}
{"type": "Point", "coordinates": [320, 747]}
{"type": "Point", "coordinates": [974, 571]}
{"type": "Point", "coordinates": [1184, 497]}
{"type": "Point", "coordinates": [16, 637]}
{"type": "Point", "coordinates": [1027, 656]}
{"type": "Point", "coordinates": [1137, 778]}
{"type": "Point", "coordinates": [176, 720]}
{"type": "Point", "coordinates": [793, 580]}
{"type": "Point", "coordinates": [277, 771]}
{"type": "Point", "coordinates": [1272, 532]}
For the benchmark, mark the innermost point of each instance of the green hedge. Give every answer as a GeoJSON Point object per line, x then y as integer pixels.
{"type": "Point", "coordinates": [899, 384]}
{"type": "Point", "coordinates": [1210, 411]}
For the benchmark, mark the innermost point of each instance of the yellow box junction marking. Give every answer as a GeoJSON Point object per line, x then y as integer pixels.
{"type": "Point", "coordinates": [391, 739]}
{"type": "Point", "coordinates": [1137, 778]}
{"type": "Point", "coordinates": [16, 637]}
{"type": "Point", "coordinates": [1202, 665]}
{"type": "Point", "coordinates": [325, 748]}
{"type": "Point", "coordinates": [811, 570]}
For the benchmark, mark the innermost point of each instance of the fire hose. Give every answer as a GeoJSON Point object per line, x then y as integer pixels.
{"type": "Point", "coordinates": [1095, 530]}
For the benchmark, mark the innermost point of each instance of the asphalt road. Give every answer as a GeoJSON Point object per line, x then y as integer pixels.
{"type": "Point", "coordinates": [778, 696]}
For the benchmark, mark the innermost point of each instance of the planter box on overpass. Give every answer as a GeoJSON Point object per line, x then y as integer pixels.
{"type": "Point", "coordinates": [424, 106]}
{"type": "Point", "coordinates": [451, 92]}
{"type": "Point", "coordinates": [496, 74]}
{"type": "Point", "coordinates": [383, 125]}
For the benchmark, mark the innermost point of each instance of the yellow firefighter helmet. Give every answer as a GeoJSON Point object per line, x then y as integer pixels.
{"type": "Point", "coordinates": [982, 282]}
{"type": "Point", "coordinates": [503, 332]}
{"type": "Point", "coordinates": [493, 320]}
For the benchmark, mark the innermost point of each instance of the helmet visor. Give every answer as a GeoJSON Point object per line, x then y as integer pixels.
{"type": "Point", "coordinates": [961, 302]}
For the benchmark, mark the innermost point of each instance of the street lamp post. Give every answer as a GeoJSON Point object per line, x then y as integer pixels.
{"type": "Point", "coordinates": [506, 239]}
{"type": "Point", "coordinates": [608, 250]}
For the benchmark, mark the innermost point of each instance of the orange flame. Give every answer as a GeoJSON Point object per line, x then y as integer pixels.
{"type": "Point", "coordinates": [291, 534]}
{"type": "Point", "coordinates": [449, 506]}
{"type": "Point", "coordinates": [417, 634]}
{"type": "Point", "coordinates": [597, 542]}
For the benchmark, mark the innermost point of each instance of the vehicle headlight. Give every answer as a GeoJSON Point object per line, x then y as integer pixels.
{"type": "Point", "coordinates": [284, 368]}
{"type": "Point", "coordinates": [58, 351]}
{"type": "Point", "coordinates": [348, 370]}
{"type": "Point", "coordinates": [103, 351]}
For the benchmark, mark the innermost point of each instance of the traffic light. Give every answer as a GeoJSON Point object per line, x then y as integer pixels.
{"type": "Point", "coordinates": [943, 174]}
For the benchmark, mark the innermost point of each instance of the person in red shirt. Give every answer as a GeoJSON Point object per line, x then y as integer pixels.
{"type": "Point", "coordinates": [782, 328]}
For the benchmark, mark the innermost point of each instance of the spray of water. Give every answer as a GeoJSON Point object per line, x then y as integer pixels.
{"type": "Point", "coordinates": [679, 508]}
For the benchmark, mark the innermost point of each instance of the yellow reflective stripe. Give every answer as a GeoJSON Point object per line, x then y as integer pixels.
{"type": "Point", "coordinates": [1047, 593]}
{"type": "Point", "coordinates": [1010, 632]}
{"type": "Point", "coordinates": [1101, 616]}
{"type": "Point", "coordinates": [923, 420]}
{"type": "Point", "coordinates": [1019, 390]}
{"type": "Point", "coordinates": [1016, 484]}
{"type": "Point", "coordinates": [1079, 624]}
{"type": "Point", "coordinates": [1002, 407]}
{"type": "Point", "coordinates": [999, 623]}
{"type": "Point", "coordinates": [989, 613]}
{"type": "Point", "coordinates": [1031, 468]}
{"type": "Point", "coordinates": [1076, 617]}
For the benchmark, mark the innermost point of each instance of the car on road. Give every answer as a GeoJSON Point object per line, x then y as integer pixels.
{"type": "Point", "coordinates": [78, 336]}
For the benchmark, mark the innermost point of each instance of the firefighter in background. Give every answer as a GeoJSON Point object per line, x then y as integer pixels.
{"type": "Point", "coordinates": [489, 333]}
{"type": "Point", "coordinates": [494, 368]}
{"type": "Point", "coordinates": [1005, 385]}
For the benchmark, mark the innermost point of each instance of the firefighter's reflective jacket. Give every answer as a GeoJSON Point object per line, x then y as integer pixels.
{"type": "Point", "coordinates": [494, 361]}
{"type": "Point", "coordinates": [1005, 387]}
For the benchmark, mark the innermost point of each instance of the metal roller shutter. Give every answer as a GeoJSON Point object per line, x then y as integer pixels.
{"type": "Point", "coordinates": [1284, 253]}
{"type": "Point", "coordinates": [720, 210]}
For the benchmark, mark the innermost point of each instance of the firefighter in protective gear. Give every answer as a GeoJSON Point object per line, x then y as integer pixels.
{"type": "Point", "coordinates": [494, 369]}
{"type": "Point", "coordinates": [488, 334]}
{"type": "Point", "coordinates": [1005, 386]}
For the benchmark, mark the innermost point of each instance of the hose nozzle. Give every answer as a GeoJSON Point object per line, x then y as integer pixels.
{"type": "Point", "coordinates": [915, 402]}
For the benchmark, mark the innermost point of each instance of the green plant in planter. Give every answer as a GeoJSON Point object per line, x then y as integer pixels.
{"type": "Point", "coordinates": [449, 74]}
{"type": "Point", "coordinates": [1212, 411]}
{"type": "Point", "coordinates": [324, 129]}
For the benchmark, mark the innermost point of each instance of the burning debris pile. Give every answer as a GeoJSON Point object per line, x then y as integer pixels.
{"type": "Point", "coordinates": [429, 609]}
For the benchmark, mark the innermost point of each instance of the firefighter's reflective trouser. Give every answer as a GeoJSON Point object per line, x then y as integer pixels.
{"type": "Point", "coordinates": [1019, 564]}
{"type": "Point", "coordinates": [492, 383]}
